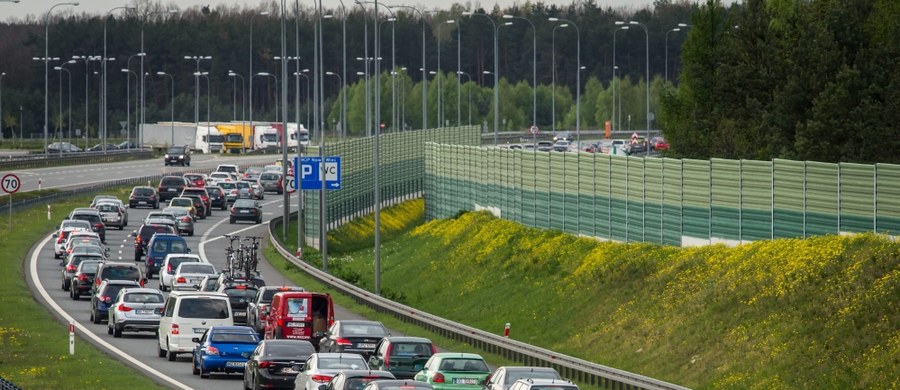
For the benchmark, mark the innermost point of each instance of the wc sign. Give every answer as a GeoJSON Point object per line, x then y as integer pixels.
{"type": "Point", "coordinates": [312, 171]}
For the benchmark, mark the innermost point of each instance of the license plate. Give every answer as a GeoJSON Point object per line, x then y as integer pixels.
{"type": "Point", "coordinates": [199, 330]}
{"type": "Point", "coordinates": [235, 364]}
{"type": "Point", "coordinates": [365, 345]}
{"type": "Point", "coordinates": [288, 370]}
{"type": "Point", "coordinates": [143, 312]}
{"type": "Point", "coordinates": [142, 202]}
{"type": "Point", "coordinates": [240, 314]}
{"type": "Point", "coordinates": [465, 381]}
{"type": "Point", "coordinates": [245, 211]}
{"type": "Point", "coordinates": [171, 190]}
{"type": "Point", "coordinates": [296, 324]}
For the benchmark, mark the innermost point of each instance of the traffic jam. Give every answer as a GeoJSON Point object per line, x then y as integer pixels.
{"type": "Point", "coordinates": [224, 318]}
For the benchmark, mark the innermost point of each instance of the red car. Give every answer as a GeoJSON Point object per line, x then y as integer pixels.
{"type": "Point", "coordinates": [659, 144]}
{"type": "Point", "coordinates": [197, 180]}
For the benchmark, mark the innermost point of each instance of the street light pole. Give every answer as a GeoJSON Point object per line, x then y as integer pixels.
{"type": "Point", "coordinates": [616, 80]}
{"type": "Point", "coordinates": [172, 103]}
{"type": "Point", "coordinates": [243, 92]}
{"type": "Point", "coordinates": [647, 77]}
{"type": "Point", "coordinates": [252, 130]}
{"type": "Point", "coordinates": [47, 70]}
{"type": "Point", "coordinates": [127, 102]}
{"type": "Point", "coordinates": [533, 67]}
{"type": "Point", "coordinates": [577, 79]}
{"type": "Point", "coordinates": [469, 105]}
{"type": "Point", "coordinates": [553, 74]}
{"type": "Point", "coordinates": [103, 107]}
{"type": "Point", "coordinates": [424, 74]}
{"type": "Point", "coordinates": [676, 29]}
{"type": "Point", "coordinates": [440, 107]}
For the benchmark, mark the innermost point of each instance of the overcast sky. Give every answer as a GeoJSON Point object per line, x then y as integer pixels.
{"type": "Point", "coordinates": [39, 7]}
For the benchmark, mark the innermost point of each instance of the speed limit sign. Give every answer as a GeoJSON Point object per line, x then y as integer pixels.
{"type": "Point", "coordinates": [10, 183]}
{"type": "Point", "coordinates": [289, 185]}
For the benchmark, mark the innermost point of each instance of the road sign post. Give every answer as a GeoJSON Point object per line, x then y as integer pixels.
{"type": "Point", "coordinates": [71, 338]}
{"type": "Point", "coordinates": [10, 184]}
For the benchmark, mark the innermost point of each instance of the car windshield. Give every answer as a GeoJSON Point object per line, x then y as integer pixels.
{"type": "Point", "coordinates": [240, 338]}
{"type": "Point", "coordinates": [462, 364]}
{"type": "Point", "coordinates": [178, 247]}
{"type": "Point", "coordinates": [196, 268]}
{"type": "Point", "coordinates": [143, 297]}
{"type": "Point", "coordinates": [113, 289]}
{"type": "Point", "coordinates": [203, 308]}
{"type": "Point", "coordinates": [175, 150]}
{"type": "Point", "coordinates": [269, 137]}
{"type": "Point", "coordinates": [234, 138]}
{"type": "Point", "coordinates": [143, 191]}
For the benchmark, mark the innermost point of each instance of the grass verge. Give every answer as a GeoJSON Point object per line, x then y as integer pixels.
{"type": "Point", "coordinates": [34, 345]}
{"type": "Point", "coordinates": [780, 314]}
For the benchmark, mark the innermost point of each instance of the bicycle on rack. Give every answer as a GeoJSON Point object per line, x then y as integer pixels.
{"type": "Point", "coordinates": [242, 261]}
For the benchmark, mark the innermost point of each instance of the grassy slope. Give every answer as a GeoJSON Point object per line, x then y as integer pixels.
{"type": "Point", "coordinates": [816, 313]}
{"type": "Point", "coordinates": [34, 346]}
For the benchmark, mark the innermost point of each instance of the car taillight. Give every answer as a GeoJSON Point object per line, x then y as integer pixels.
{"type": "Point", "coordinates": [141, 283]}
{"type": "Point", "coordinates": [83, 277]}
{"type": "Point", "coordinates": [438, 378]}
{"type": "Point", "coordinates": [186, 219]}
{"type": "Point", "coordinates": [169, 268]}
{"type": "Point", "coordinates": [174, 329]}
{"type": "Point", "coordinates": [210, 350]}
{"type": "Point", "coordinates": [320, 378]}
{"type": "Point", "coordinates": [342, 341]}
{"type": "Point", "coordinates": [71, 268]}
{"type": "Point", "coordinates": [131, 197]}
{"type": "Point", "coordinates": [105, 298]}
{"type": "Point", "coordinates": [264, 364]}
{"type": "Point", "coordinates": [152, 197]}
{"type": "Point", "coordinates": [233, 209]}
{"type": "Point", "coordinates": [181, 279]}
{"type": "Point", "coordinates": [123, 308]}
{"type": "Point", "coordinates": [387, 356]}
{"type": "Point", "coordinates": [204, 198]}
{"type": "Point", "coordinates": [433, 349]}
{"type": "Point", "coordinates": [98, 226]}
{"type": "Point", "coordinates": [60, 239]}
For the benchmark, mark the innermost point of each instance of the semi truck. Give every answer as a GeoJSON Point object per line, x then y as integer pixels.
{"type": "Point", "coordinates": [238, 137]}
{"type": "Point", "coordinates": [198, 138]}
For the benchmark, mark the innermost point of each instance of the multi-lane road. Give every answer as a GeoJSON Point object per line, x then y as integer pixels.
{"type": "Point", "coordinates": [139, 349]}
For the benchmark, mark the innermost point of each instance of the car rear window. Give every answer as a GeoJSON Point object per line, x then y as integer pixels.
{"type": "Point", "coordinates": [113, 289]}
{"type": "Point", "coordinates": [400, 349]}
{"type": "Point", "coordinates": [149, 231]}
{"type": "Point", "coordinates": [342, 363]}
{"type": "Point", "coordinates": [172, 181]}
{"type": "Point", "coordinates": [287, 350]}
{"type": "Point", "coordinates": [463, 365]}
{"type": "Point", "coordinates": [92, 218]}
{"type": "Point", "coordinates": [227, 185]}
{"type": "Point", "coordinates": [362, 329]}
{"type": "Point", "coordinates": [242, 184]}
{"type": "Point", "coordinates": [108, 208]}
{"type": "Point", "coordinates": [90, 267]}
{"type": "Point", "coordinates": [242, 294]}
{"type": "Point", "coordinates": [175, 261]}
{"type": "Point", "coordinates": [197, 269]}
{"type": "Point", "coordinates": [143, 191]}
{"type": "Point", "coordinates": [144, 297]}
{"type": "Point", "coordinates": [203, 308]}
{"type": "Point", "coordinates": [241, 338]}
{"type": "Point", "coordinates": [512, 375]}
{"type": "Point", "coordinates": [121, 273]}
{"type": "Point", "coordinates": [269, 176]}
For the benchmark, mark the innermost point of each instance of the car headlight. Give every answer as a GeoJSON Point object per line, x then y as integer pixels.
{"type": "Point", "coordinates": [181, 156]}
{"type": "Point", "coordinates": [167, 156]}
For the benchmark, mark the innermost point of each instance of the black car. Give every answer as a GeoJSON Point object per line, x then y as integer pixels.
{"type": "Point", "coordinates": [402, 356]}
{"type": "Point", "coordinates": [171, 187]}
{"type": "Point", "coordinates": [204, 196]}
{"type": "Point", "coordinates": [272, 364]}
{"type": "Point", "coordinates": [217, 197]}
{"type": "Point", "coordinates": [178, 155]}
{"type": "Point", "coordinates": [93, 217]}
{"type": "Point", "coordinates": [199, 205]}
{"type": "Point", "coordinates": [62, 147]}
{"type": "Point", "coordinates": [127, 145]}
{"type": "Point", "coordinates": [143, 235]}
{"type": "Point", "coordinates": [83, 279]}
{"type": "Point", "coordinates": [353, 336]}
{"type": "Point", "coordinates": [239, 295]}
{"type": "Point", "coordinates": [246, 210]}
{"type": "Point", "coordinates": [143, 196]}
{"type": "Point", "coordinates": [99, 148]}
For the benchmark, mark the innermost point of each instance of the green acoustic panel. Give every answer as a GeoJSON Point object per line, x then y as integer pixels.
{"type": "Point", "coordinates": [789, 197]}
{"type": "Point", "coordinates": [672, 199]}
{"type": "Point", "coordinates": [696, 199]}
{"type": "Point", "coordinates": [888, 198]}
{"type": "Point", "coordinates": [726, 198]}
{"type": "Point", "coordinates": [756, 200]}
{"type": "Point", "coordinates": [821, 198]}
{"type": "Point", "coordinates": [635, 198]}
{"type": "Point", "coordinates": [857, 197]}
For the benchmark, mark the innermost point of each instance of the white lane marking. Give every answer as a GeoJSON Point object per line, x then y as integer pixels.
{"type": "Point", "coordinates": [84, 330]}
{"type": "Point", "coordinates": [205, 238]}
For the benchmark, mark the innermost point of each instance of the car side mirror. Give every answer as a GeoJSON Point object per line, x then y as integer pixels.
{"type": "Point", "coordinates": [196, 287]}
{"type": "Point", "coordinates": [196, 339]}
{"type": "Point", "coordinates": [189, 250]}
{"type": "Point", "coordinates": [55, 235]}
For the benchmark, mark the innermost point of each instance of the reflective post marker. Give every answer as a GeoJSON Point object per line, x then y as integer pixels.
{"type": "Point", "coordinates": [506, 330]}
{"type": "Point", "coordinates": [71, 338]}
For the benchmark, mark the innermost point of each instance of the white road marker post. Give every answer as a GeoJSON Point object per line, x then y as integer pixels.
{"type": "Point", "coordinates": [71, 338]}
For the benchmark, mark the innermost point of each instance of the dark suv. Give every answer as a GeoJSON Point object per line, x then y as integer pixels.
{"type": "Point", "coordinates": [203, 194]}
{"type": "Point", "coordinates": [143, 235]}
{"type": "Point", "coordinates": [217, 197]}
{"type": "Point", "coordinates": [159, 246]}
{"type": "Point", "coordinates": [401, 356]}
{"type": "Point", "coordinates": [93, 217]}
{"type": "Point", "coordinates": [143, 196]}
{"type": "Point", "coordinates": [105, 295]}
{"type": "Point", "coordinates": [171, 187]}
{"type": "Point", "coordinates": [178, 155]}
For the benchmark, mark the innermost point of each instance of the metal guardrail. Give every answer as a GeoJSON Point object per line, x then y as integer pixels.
{"type": "Point", "coordinates": [514, 137]}
{"type": "Point", "coordinates": [41, 161]}
{"type": "Point", "coordinates": [7, 385]}
{"type": "Point", "coordinates": [570, 367]}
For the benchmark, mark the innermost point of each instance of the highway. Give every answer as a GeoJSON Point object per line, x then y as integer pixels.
{"type": "Point", "coordinates": [139, 349]}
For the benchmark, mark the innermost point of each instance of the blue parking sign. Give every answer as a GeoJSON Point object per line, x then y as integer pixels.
{"type": "Point", "coordinates": [311, 172]}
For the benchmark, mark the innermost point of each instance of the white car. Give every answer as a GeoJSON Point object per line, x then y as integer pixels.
{"type": "Point", "coordinates": [65, 229]}
{"type": "Point", "coordinates": [189, 275]}
{"type": "Point", "coordinates": [321, 367]}
{"type": "Point", "coordinates": [170, 264]}
{"type": "Point", "coordinates": [188, 314]}
{"type": "Point", "coordinates": [230, 168]}
{"type": "Point", "coordinates": [217, 177]}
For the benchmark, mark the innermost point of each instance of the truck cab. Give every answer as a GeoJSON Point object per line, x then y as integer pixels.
{"type": "Point", "coordinates": [209, 140]}
{"type": "Point", "coordinates": [266, 137]}
{"type": "Point", "coordinates": [299, 316]}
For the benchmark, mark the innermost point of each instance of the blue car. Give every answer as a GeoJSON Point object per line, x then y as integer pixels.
{"type": "Point", "coordinates": [223, 349]}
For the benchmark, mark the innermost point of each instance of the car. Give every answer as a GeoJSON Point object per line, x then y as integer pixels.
{"type": "Point", "coordinates": [276, 363]}
{"type": "Point", "coordinates": [636, 145]}
{"type": "Point", "coordinates": [454, 370]}
{"type": "Point", "coordinates": [357, 379]}
{"type": "Point", "coordinates": [273, 168]}
{"type": "Point", "coordinates": [543, 384]}
{"type": "Point", "coordinates": [544, 146]}
{"type": "Point", "coordinates": [503, 377]}
{"type": "Point", "coordinates": [355, 336]}
{"type": "Point", "coordinates": [217, 197]}
{"type": "Point", "coordinates": [299, 315]}
{"type": "Point", "coordinates": [178, 155]}
{"type": "Point", "coordinates": [203, 195]}
{"type": "Point", "coordinates": [231, 191]}
{"type": "Point", "coordinates": [245, 210]}
{"type": "Point", "coordinates": [659, 144]}
{"type": "Point", "coordinates": [272, 182]}
{"type": "Point", "coordinates": [101, 197]}
{"type": "Point", "coordinates": [62, 147]}
{"type": "Point", "coordinates": [163, 214]}
{"type": "Point", "coordinates": [127, 145]}
{"type": "Point", "coordinates": [321, 367]}
{"type": "Point", "coordinates": [188, 203]}
{"type": "Point", "coordinates": [83, 279]}
{"type": "Point", "coordinates": [118, 271]}
{"type": "Point", "coordinates": [170, 263]}
{"type": "Point", "coordinates": [228, 168]}
{"type": "Point", "coordinates": [72, 263]}
{"type": "Point", "coordinates": [92, 216]}
{"type": "Point", "coordinates": [252, 174]}
{"type": "Point", "coordinates": [402, 356]}
{"type": "Point", "coordinates": [563, 136]}
{"type": "Point", "coordinates": [202, 210]}
{"type": "Point", "coordinates": [143, 196]}
{"type": "Point", "coordinates": [135, 309]}
{"type": "Point", "coordinates": [256, 319]}
{"type": "Point", "coordinates": [239, 295]}
{"type": "Point", "coordinates": [145, 232]}
{"type": "Point", "coordinates": [399, 384]}
{"type": "Point", "coordinates": [561, 146]}
{"type": "Point", "coordinates": [88, 239]}
{"type": "Point", "coordinates": [197, 180]}
{"type": "Point", "coordinates": [103, 297]}
{"type": "Point", "coordinates": [66, 227]}
{"type": "Point", "coordinates": [245, 190]}
{"type": "Point", "coordinates": [218, 177]}
{"type": "Point", "coordinates": [111, 215]}
{"type": "Point", "coordinates": [223, 349]}
{"type": "Point", "coordinates": [184, 222]}
{"type": "Point", "coordinates": [189, 275]}
{"type": "Point", "coordinates": [122, 207]}
{"type": "Point", "coordinates": [170, 187]}
{"type": "Point", "coordinates": [100, 147]}
{"type": "Point", "coordinates": [160, 245]}
{"type": "Point", "coordinates": [187, 315]}
{"type": "Point", "coordinates": [209, 283]}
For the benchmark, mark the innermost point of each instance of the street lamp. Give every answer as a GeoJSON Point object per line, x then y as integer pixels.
{"type": "Point", "coordinates": [533, 68]}
{"type": "Point", "coordinates": [171, 102]}
{"type": "Point", "coordinates": [553, 73]}
{"type": "Point", "coordinates": [264, 74]}
{"type": "Point", "coordinates": [1, 104]}
{"type": "Point", "coordinates": [86, 87]}
{"type": "Point", "coordinates": [340, 82]}
{"type": "Point", "coordinates": [128, 74]}
{"type": "Point", "coordinates": [577, 79]}
{"type": "Point", "coordinates": [140, 116]}
{"type": "Point", "coordinates": [208, 96]}
{"type": "Point", "coordinates": [424, 79]}
{"type": "Point", "coordinates": [676, 29]}
{"type": "Point", "coordinates": [197, 59]}
{"type": "Point", "coordinates": [647, 77]}
{"type": "Point", "coordinates": [440, 104]}
{"type": "Point", "coordinates": [263, 13]}
{"type": "Point", "coordinates": [469, 105]}
{"type": "Point", "coordinates": [103, 107]}
{"type": "Point", "coordinates": [495, 30]}
{"type": "Point", "coordinates": [303, 73]}
{"type": "Point", "coordinates": [139, 135]}
{"type": "Point", "coordinates": [47, 70]}
{"type": "Point", "coordinates": [615, 80]}
{"type": "Point", "coordinates": [61, 68]}
{"type": "Point", "coordinates": [343, 72]}
{"type": "Point", "coordinates": [243, 93]}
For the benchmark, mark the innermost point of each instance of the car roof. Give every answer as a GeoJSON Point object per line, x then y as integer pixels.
{"type": "Point", "coordinates": [407, 339]}
{"type": "Point", "coordinates": [529, 368]}
{"type": "Point", "coordinates": [448, 355]}
{"type": "Point", "coordinates": [338, 354]}
{"type": "Point", "coordinates": [191, 255]}
{"type": "Point", "coordinates": [142, 290]}
{"type": "Point", "coordinates": [214, 294]}
{"type": "Point", "coordinates": [542, 381]}
{"type": "Point", "coordinates": [359, 373]}
{"type": "Point", "coordinates": [122, 282]}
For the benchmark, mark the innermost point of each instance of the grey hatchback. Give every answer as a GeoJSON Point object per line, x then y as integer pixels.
{"type": "Point", "coordinates": [271, 181]}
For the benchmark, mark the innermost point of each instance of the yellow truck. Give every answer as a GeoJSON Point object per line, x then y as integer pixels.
{"type": "Point", "coordinates": [238, 137]}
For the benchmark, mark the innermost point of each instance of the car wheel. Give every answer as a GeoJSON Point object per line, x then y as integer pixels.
{"type": "Point", "coordinates": [62, 285]}
{"type": "Point", "coordinates": [162, 287]}
{"type": "Point", "coordinates": [109, 330]}
{"type": "Point", "coordinates": [56, 255]}
{"type": "Point", "coordinates": [159, 351]}
{"type": "Point", "coordinates": [156, 205]}
{"type": "Point", "coordinates": [117, 332]}
{"type": "Point", "coordinates": [231, 220]}
{"type": "Point", "coordinates": [194, 369]}
{"type": "Point", "coordinates": [191, 233]}
{"type": "Point", "coordinates": [131, 206]}
{"type": "Point", "coordinates": [203, 373]}
{"type": "Point", "coordinates": [74, 294]}
{"type": "Point", "coordinates": [137, 256]}
{"type": "Point", "coordinates": [95, 316]}
{"type": "Point", "coordinates": [170, 356]}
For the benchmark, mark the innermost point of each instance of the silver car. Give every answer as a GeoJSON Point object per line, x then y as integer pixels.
{"type": "Point", "coordinates": [111, 215]}
{"type": "Point", "coordinates": [271, 181]}
{"type": "Point", "coordinates": [189, 275]}
{"type": "Point", "coordinates": [250, 190]}
{"type": "Point", "coordinates": [183, 220]}
{"type": "Point", "coordinates": [321, 367]}
{"type": "Point", "coordinates": [135, 309]}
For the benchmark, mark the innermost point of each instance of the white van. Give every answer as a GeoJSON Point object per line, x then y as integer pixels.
{"type": "Point", "coordinates": [188, 314]}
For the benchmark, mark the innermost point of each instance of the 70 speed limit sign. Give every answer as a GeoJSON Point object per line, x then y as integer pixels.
{"type": "Point", "coordinates": [10, 183]}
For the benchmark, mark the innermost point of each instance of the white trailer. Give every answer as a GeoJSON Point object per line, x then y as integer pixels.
{"type": "Point", "coordinates": [198, 138]}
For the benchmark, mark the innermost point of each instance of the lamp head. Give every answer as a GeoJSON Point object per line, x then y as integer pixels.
{"type": "Point", "coordinates": [161, 73]}
{"type": "Point", "coordinates": [262, 74]}
{"type": "Point", "coordinates": [360, 74]}
{"type": "Point", "coordinates": [304, 71]}
{"type": "Point", "coordinates": [619, 23]}
{"type": "Point", "coordinates": [57, 68]}
{"type": "Point", "coordinates": [553, 19]}
{"type": "Point", "coordinates": [507, 16]}
{"type": "Point", "coordinates": [676, 29]}
{"type": "Point", "coordinates": [507, 24]}
{"type": "Point", "coordinates": [633, 22]}
{"type": "Point", "coordinates": [330, 73]}
{"type": "Point", "coordinates": [682, 25]}
{"type": "Point", "coordinates": [264, 13]}
{"type": "Point", "coordinates": [564, 25]}
{"type": "Point", "coordinates": [451, 21]}
{"type": "Point", "coordinates": [124, 70]}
